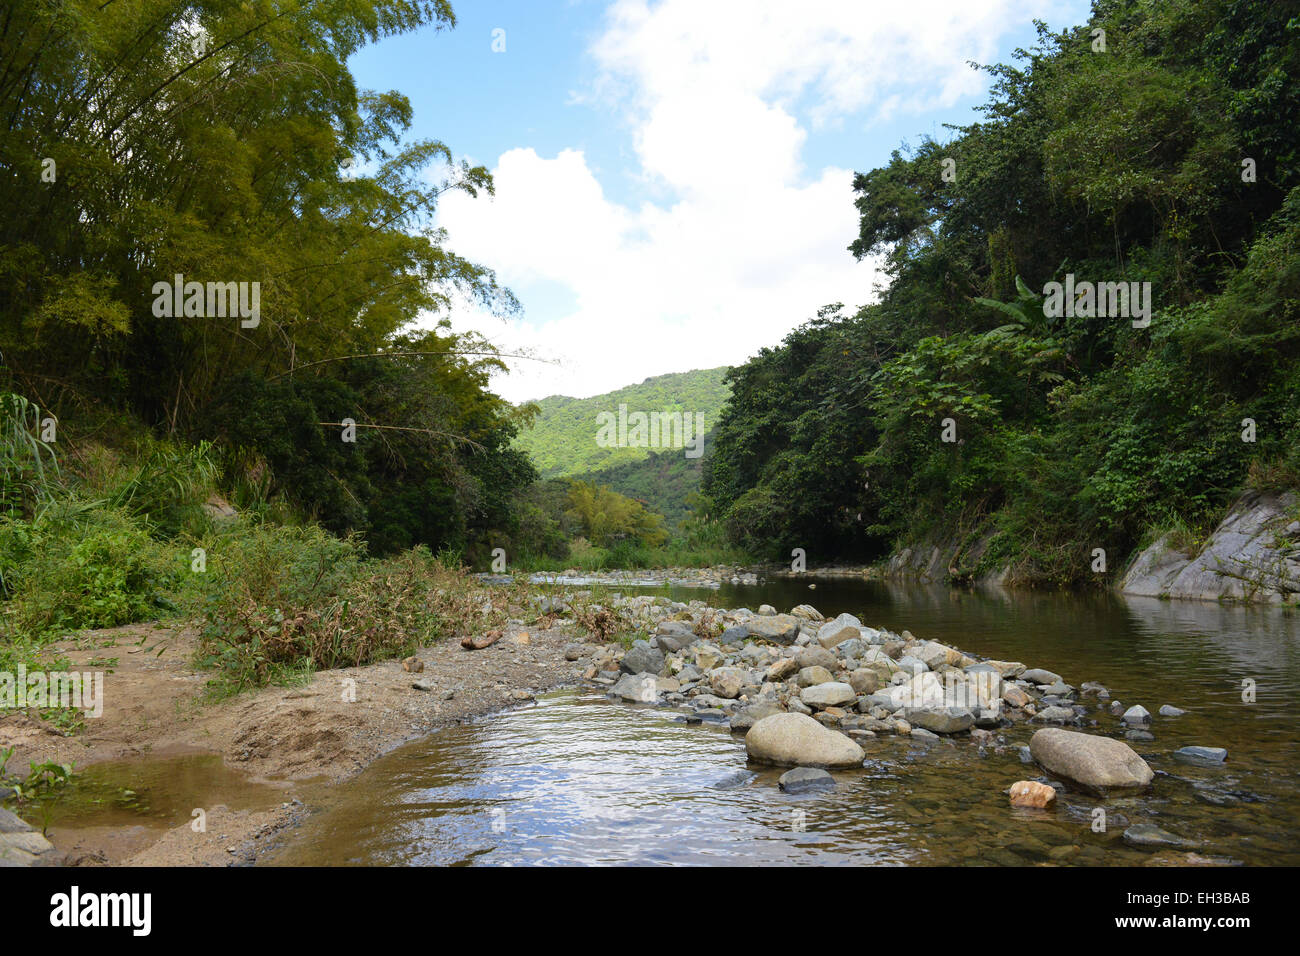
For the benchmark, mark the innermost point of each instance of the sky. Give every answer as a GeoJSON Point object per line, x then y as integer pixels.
{"type": "Point", "coordinates": [674, 177]}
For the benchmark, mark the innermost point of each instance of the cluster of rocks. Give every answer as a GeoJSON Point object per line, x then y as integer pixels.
{"type": "Point", "coordinates": [712, 577]}
{"type": "Point", "coordinates": [839, 674]}
{"type": "Point", "coordinates": [808, 693]}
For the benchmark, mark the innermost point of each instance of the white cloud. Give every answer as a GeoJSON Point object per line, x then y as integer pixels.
{"type": "Point", "coordinates": [736, 242]}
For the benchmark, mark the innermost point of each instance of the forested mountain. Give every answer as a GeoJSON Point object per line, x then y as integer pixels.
{"type": "Point", "coordinates": [1158, 143]}
{"type": "Point", "coordinates": [562, 441]}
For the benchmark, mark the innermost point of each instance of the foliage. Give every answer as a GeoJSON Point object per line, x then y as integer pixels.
{"type": "Point", "coordinates": [1075, 432]}
{"type": "Point", "coordinates": [561, 441]}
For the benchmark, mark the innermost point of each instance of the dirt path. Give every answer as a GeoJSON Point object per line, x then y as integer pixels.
{"type": "Point", "coordinates": [299, 738]}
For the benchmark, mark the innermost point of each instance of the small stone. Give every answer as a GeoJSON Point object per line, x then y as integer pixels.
{"type": "Point", "coordinates": [1168, 710]}
{"type": "Point", "coordinates": [1030, 793]}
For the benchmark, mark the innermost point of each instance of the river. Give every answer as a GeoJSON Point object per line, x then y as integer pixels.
{"type": "Point", "coordinates": [578, 779]}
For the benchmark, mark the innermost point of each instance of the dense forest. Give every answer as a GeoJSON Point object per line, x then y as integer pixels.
{"type": "Point", "coordinates": [1158, 143]}
{"type": "Point", "coordinates": [156, 152]}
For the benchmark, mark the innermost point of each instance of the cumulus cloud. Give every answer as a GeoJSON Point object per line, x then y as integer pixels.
{"type": "Point", "coordinates": [735, 241]}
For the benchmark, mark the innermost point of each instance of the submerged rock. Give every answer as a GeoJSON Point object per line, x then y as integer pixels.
{"type": "Point", "coordinates": [1150, 835]}
{"type": "Point", "coordinates": [1098, 763]}
{"type": "Point", "coordinates": [1201, 756]}
{"type": "Point", "coordinates": [804, 779]}
{"type": "Point", "coordinates": [793, 740]}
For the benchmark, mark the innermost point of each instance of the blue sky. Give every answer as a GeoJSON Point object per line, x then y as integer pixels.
{"type": "Point", "coordinates": [673, 176]}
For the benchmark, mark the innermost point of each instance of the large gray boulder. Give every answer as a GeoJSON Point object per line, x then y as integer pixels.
{"type": "Point", "coordinates": [641, 658]}
{"type": "Point", "coordinates": [777, 628]}
{"type": "Point", "coordinates": [793, 740]}
{"type": "Point", "coordinates": [639, 688]}
{"type": "Point", "coordinates": [1097, 763]}
{"type": "Point", "coordinates": [940, 720]}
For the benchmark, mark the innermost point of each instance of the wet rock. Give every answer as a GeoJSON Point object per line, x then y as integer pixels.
{"type": "Point", "coordinates": [1137, 714]}
{"type": "Point", "coordinates": [1015, 695]}
{"type": "Point", "coordinates": [1055, 715]}
{"type": "Point", "coordinates": [1148, 835]}
{"type": "Point", "coordinates": [1201, 756]}
{"type": "Point", "coordinates": [641, 688]}
{"type": "Point", "coordinates": [1168, 710]}
{"type": "Point", "coordinates": [1030, 793]}
{"type": "Point", "coordinates": [1026, 756]}
{"type": "Point", "coordinates": [805, 779]}
{"type": "Point", "coordinates": [921, 733]}
{"type": "Point", "coordinates": [1098, 763]}
{"type": "Point", "coordinates": [641, 658]}
{"type": "Point", "coordinates": [940, 720]}
{"type": "Point", "coordinates": [1037, 675]}
{"type": "Point", "coordinates": [794, 740]}
{"type": "Point", "coordinates": [829, 694]}
{"type": "Point", "coordinates": [1139, 736]}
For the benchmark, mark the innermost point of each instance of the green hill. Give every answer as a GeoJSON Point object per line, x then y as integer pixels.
{"type": "Point", "coordinates": [662, 481]}
{"type": "Point", "coordinates": [562, 441]}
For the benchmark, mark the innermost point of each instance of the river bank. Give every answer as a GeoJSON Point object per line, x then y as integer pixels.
{"type": "Point", "coordinates": [296, 738]}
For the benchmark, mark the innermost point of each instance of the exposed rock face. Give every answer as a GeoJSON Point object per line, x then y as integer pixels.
{"type": "Point", "coordinates": [793, 740]}
{"type": "Point", "coordinates": [1253, 556]}
{"type": "Point", "coordinates": [1098, 763]}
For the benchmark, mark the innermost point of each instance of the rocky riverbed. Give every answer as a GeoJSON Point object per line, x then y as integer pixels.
{"type": "Point", "coordinates": [811, 694]}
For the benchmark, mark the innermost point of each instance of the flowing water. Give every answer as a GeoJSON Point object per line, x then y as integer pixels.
{"type": "Point", "coordinates": [576, 778]}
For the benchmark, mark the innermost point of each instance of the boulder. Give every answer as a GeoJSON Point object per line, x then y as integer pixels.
{"type": "Point", "coordinates": [923, 690]}
{"type": "Point", "coordinates": [793, 740]}
{"type": "Point", "coordinates": [837, 625]}
{"type": "Point", "coordinates": [804, 779]}
{"type": "Point", "coordinates": [641, 688]}
{"type": "Point", "coordinates": [829, 694]}
{"type": "Point", "coordinates": [727, 681]}
{"type": "Point", "coordinates": [1097, 763]}
{"type": "Point", "coordinates": [807, 612]}
{"type": "Point", "coordinates": [1039, 676]}
{"type": "Point", "coordinates": [811, 676]}
{"type": "Point", "coordinates": [940, 720]}
{"type": "Point", "coordinates": [777, 628]}
{"type": "Point", "coordinates": [814, 655]}
{"type": "Point", "coordinates": [641, 658]}
{"type": "Point", "coordinates": [1137, 714]}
